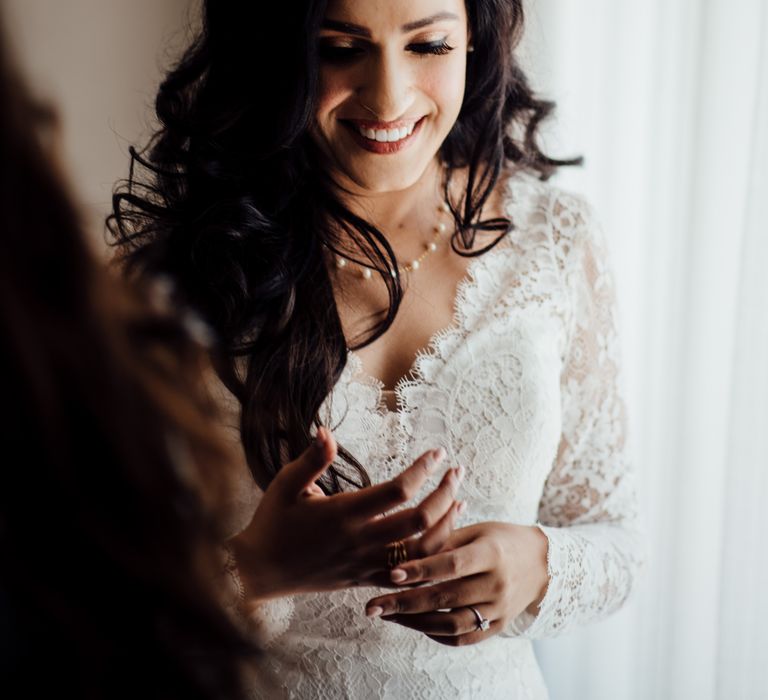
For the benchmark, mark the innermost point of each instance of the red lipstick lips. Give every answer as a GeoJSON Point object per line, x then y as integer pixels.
{"type": "Point", "coordinates": [382, 147]}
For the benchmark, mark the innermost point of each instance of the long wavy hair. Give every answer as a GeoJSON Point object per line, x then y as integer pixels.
{"type": "Point", "coordinates": [231, 199]}
{"type": "Point", "coordinates": [113, 476]}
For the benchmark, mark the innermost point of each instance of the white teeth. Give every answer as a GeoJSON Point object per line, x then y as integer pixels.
{"type": "Point", "coordinates": [387, 135]}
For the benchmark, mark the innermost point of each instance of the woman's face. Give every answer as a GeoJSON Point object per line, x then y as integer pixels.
{"type": "Point", "coordinates": [392, 83]}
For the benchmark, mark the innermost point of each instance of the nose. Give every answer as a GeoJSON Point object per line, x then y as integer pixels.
{"type": "Point", "coordinates": [386, 87]}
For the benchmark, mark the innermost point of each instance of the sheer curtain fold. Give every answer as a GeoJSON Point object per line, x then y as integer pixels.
{"type": "Point", "coordinates": [742, 663]}
{"type": "Point", "coordinates": [669, 104]}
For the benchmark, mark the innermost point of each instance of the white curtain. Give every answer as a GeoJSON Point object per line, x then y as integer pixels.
{"type": "Point", "coordinates": [668, 102]}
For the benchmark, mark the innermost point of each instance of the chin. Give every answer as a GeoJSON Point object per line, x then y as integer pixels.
{"type": "Point", "coordinates": [387, 178]}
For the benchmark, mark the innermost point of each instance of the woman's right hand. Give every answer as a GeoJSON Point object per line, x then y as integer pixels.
{"type": "Point", "coordinates": [301, 540]}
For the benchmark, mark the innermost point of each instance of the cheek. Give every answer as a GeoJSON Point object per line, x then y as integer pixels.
{"type": "Point", "coordinates": [334, 89]}
{"type": "Point", "coordinates": [444, 86]}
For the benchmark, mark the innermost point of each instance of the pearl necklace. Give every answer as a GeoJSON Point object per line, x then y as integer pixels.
{"type": "Point", "coordinates": [430, 247]}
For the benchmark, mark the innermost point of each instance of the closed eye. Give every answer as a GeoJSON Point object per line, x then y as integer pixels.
{"type": "Point", "coordinates": [339, 54]}
{"type": "Point", "coordinates": [438, 48]}
{"type": "Point", "coordinates": [334, 53]}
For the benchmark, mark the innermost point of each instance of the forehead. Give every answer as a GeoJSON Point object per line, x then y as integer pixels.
{"type": "Point", "coordinates": [391, 16]}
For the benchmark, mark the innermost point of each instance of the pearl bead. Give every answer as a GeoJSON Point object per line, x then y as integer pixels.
{"type": "Point", "coordinates": [441, 227]}
{"type": "Point", "coordinates": [367, 273]}
{"type": "Point", "coordinates": [444, 207]}
{"type": "Point", "coordinates": [415, 265]}
{"type": "Point", "coordinates": [341, 262]}
{"type": "Point", "coordinates": [432, 246]}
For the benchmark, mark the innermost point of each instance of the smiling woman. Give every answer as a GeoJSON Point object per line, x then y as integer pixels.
{"type": "Point", "coordinates": [388, 88]}
{"type": "Point", "coordinates": [363, 135]}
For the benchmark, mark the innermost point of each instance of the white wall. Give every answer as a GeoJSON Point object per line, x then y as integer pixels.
{"type": "Point", "coordinates": [99, 61]}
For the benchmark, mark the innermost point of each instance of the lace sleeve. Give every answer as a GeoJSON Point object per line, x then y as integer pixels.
{"type": "Point", "coordinates": [588, 509]}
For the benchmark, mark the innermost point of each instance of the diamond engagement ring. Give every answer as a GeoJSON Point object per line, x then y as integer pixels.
{"type": "Point", "coordinates": [483, 623]}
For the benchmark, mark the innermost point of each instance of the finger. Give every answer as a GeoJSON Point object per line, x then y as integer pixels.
{"type": "Point", "coordinates": [445, 624]}
{"type": "Point", "coordinates": [434, 539]}
{"type": "Point", "coordinates": [383, 497]}
{"type": "Point", "coordinates": [301, 474]}
{"type": "Point", "coordinates": [463, 536]}
{"type": "Point", "coordinates": [417, 519]}
{"type": "Point", "coordinates": [381, 575]}
{"type": "Point", "coordinates": [466, 639]}
{"type": "Point", "coordinates": [449, 594]}
{"type": "Point", "coordinates": [474, 558]}
{"type": "Point", "coordinates": [375, 501]}
{"type": "Point", "coordinates": [313, 490]}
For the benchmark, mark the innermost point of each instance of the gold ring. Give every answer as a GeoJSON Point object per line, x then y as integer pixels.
{"type": "Point", "coordinates": [396, 554]}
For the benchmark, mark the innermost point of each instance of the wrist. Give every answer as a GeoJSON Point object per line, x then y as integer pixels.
{"type": "Point", "coordinates": [540, 545]}
{"type": "Point", "coordinates": [258, 581]}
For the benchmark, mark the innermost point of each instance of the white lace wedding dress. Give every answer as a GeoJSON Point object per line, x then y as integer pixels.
{"type": "Point", "coordinates": [523, 389]}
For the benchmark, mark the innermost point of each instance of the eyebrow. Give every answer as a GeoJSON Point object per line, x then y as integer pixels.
{"type": "Point", "coordinates": [357, 30]}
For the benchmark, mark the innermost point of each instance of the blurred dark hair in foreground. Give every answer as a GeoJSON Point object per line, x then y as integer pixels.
{"type": "Point", "coordinates": [112, 469]}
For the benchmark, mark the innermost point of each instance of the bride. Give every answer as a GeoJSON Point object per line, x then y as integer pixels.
{"type": "Point", "coordinates": [353, 196]}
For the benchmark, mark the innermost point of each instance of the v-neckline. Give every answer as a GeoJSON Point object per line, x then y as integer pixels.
{"type": "Point", "coordinates": [414, 375]}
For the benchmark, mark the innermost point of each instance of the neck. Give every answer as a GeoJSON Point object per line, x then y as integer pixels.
{"type": "Point", "coordinates": [395, 212]}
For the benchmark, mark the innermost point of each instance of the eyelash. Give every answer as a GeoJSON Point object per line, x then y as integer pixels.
{"type": "Point", "coordinates": [347, 54]}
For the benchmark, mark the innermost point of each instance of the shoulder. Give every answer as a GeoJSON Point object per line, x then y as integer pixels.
{"type": "Point", "coordinates": [527, 197]}
{"type": "Point", "coordinates": [567, 218]}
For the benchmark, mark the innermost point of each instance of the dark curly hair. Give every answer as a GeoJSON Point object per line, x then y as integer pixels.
{"type": "Point", "coordinates": [114, 476]}
{"type": "Point", "coordinates": [231, 200]}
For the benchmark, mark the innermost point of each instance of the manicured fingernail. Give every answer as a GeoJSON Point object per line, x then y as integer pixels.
{"type": "Point", "coordinates": [461, 508]}
{"type": "Point", "coordinates": [439, 454]}
{"type": "Point", "coordinates": [398, 575]}
{"type": "Point", "coordinates": [320, 437]}
{"type": "Point", "coordinates": [460, 471]}
{"type": "Point", "coordinates": [434, 459]}
{"type": "Point", "coordinates": [456, 477]}
{"type": "Point", "coordinates": [374, 611]}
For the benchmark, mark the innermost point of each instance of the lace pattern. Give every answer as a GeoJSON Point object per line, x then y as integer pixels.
{"type": "Point", "coordinates": [524, 389]}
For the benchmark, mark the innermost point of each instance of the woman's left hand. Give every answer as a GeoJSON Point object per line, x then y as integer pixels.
{"type": "Point", "coordinates": [498, 568]}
